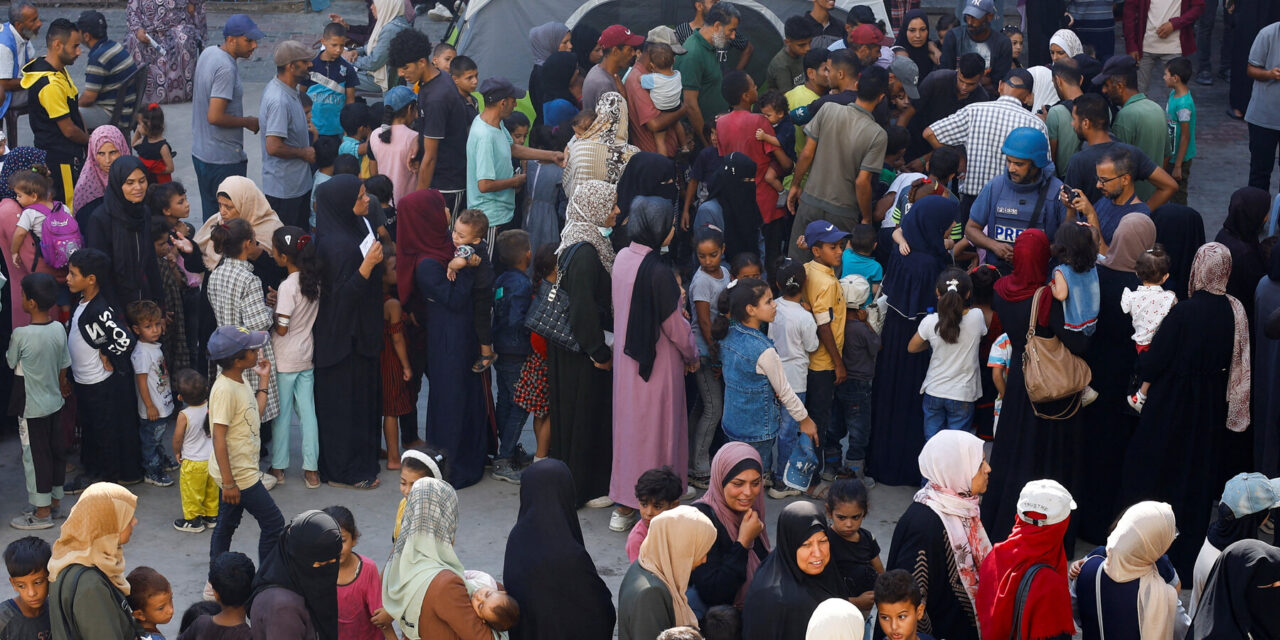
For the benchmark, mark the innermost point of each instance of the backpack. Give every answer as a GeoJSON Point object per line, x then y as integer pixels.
{"type": "Point", "coordinates": [59, 235]}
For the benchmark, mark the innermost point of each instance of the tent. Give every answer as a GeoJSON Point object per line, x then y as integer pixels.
{"type": "Point", "coordinates": [495, 33]}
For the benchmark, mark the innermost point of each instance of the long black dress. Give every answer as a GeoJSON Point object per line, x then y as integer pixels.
{"type": "Point", "coordinates": [920, 547]}
{"type": "Point", "coordinates": [1027, 447]}
{"type": "Point", "coordinates": [348, 339]}
{"type": "Point", "coordinates": [581, 395]}
{"type": "Point", "coordinates": [1266, 375]}
{"type": "Point", "coordinates": [1174, 455]}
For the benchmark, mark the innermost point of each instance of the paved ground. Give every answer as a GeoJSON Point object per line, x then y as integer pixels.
{"type": "Point", "coordinates": [489, 508]}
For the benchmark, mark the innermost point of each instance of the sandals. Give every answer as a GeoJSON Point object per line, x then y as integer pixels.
{"type": "Point", "coordinates": [363, 485]}
{"type": "Point", "coordinates": [483, 363]}
{"type": "Point", "coordinates": [307, 481]}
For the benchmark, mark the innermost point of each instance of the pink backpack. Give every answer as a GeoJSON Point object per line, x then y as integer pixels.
{"type": "Point", "coordinates": [59, 235]}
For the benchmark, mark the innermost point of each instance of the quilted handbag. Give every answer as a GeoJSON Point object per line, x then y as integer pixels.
{"type": "Point", "coordinates": [549, 314]}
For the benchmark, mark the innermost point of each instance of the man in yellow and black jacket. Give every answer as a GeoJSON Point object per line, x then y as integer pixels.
{"type": "Point", "coordinates": [55, 113]}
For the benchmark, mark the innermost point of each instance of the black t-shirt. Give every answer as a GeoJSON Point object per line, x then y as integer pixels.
{"type": "Point", "coordinates": [20, 627]}
{"type": "Point", "coordinates": [937, 100]}
{"type": "Point", "coordinates": [834, 26]}
{"type": "Point", "coordinates": [853, 561]}
{"type": "Point", "coordinates": [1082, 172]}
{"type": "Point", "coordinates": [204, 628]}
{"type": "Point", "coordinates": [447, 118]}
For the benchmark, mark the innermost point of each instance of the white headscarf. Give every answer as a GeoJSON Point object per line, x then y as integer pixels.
{"type": "Point", "coordinates": [1068, 40]}
{"type": "Point", "coordinates": [387, 11]}
{"type": "Point", "coordinates": [1042, 91]}
{"type": "Point", "coordinates": [835, 619]}
{"type": "Point", "coordinates": [949, 461]}
{"type": "Point", "coordinates": [1143, 534]}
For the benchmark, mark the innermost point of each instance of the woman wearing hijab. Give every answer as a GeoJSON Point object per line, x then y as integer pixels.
{"type": "Point", "coordinates": [18, 159]}
{"type": "Point", "coordinates": [423, 588]}
{"type": "Point", "coordinates": [544, 40]}
{"type": "Point", "coordinates": [121, 228]}
{"type": "Point", "coordinates": [558, 103]}
{"type": "Point", "coordinates": [1266, 373]}
{"type": "Point", "coordinates": [585, 45]}
{"type": "Point", "coordinates": [1064, 43]}
{"type": "Point", "coordinates": [897, 426]}
{"type": "Point", "coordinates": [1198, 405]}
{"type": "Point", "coordinates": [348, 336]}
{"type": "Point", "coordinates": [942, 534]}
{"type": "Point", "coordinates": [86, 573]}
{"type": "Point", "coordinates": [1180, 230]}
{"type": "Point", "coordinates": [106, 143]}
{"type": "Point", "coordinates": [735, 504]}
{"type": "Point", "coordinates": [456, 419]}
{"type": "Point", "coordinates": [547, 568]}
{"type": "Point", "coordinates": [295, 592]}
{"type": "Point", "coordinates": [1123, 593]}
{"type": "Point", "coordinates": [647, 174]}
{"type": "Point", "coordinates": [653, 596]}
{"type": "Point", "coordinates": [1246, 504]}
{"type": "Point", "coordinates": [1241, 598]}
{"type": "Point", "coordinates": [239, 197]}
{"type": "Point", "coordinates": [836, 619]}
{"type": "Point", "coordinates": [580, 384]}
{"type": "Point", "coordinates": [795, 579]}
{"type": "Point", "coordinates": [1246, 216]}
{"type": "Point", "coordinates": [602, 152]}
{"type": "Point", "coordinates": [650, 424]}
{"type": "Point", "coordinates": [731, 205]}
{"type": "Point", "coordinates": [1108, 423]}
{"type": "Point", "coordinates": [1029, 447]}
{"type": "Point", "coordinates": [375, 77]}
{"type": "Point", "coordinates": [913, 38]}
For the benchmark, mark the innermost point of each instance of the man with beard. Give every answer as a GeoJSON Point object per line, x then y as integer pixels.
{"type": "Point", "coordinates": [1063, 141]}
{"type": "Point", "coordinates": [1089, 116]}
{"type": "Point", "coordinates": [1140, 121]}
{"type": "Point", "coordinates": [700, 67]}
{"type": "Point", "coordinates": [16, 50]}
{"type": "Point", "coordinates": [619, 47]}
{"type": "Point", "coordinates": [1115, 179]}
{"type": "Point", "coordinates": [942, 93]}
{"type": "Point", "coordinates": [1026, 197]}
{"type": "Point", "coordinates": [55, 112]}
{"type": "Point", "coordinates": [978, 37]}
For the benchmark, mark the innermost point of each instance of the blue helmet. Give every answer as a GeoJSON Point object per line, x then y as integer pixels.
{"type": "Point", "coordinates": [1029, 144]}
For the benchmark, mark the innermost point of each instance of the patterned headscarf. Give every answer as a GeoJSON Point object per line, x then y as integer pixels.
{"type": "Point", "coordinates": [423, 550]}
{"type": "Point", "coordinates": [589, 209]}
{"type": "Point", "coordinates": [1209, 273]}
{"type": "Point", "coordinates": [19, 159]}
{"type": "Point", "coordinates": [93, 180]}
{"type": "Point", "coordinates": [610, 129]}
{"type": "Point", "coordinates": [949, 461]}
{"type": "Point", "coordinates": [1068, 40]}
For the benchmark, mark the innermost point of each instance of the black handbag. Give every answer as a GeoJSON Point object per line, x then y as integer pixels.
{"type": "Point", "coordinates": [1020, 601]}
{"type": "Point", "coordinates": [549, 314]}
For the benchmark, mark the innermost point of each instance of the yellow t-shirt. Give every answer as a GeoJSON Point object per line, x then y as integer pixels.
{"type": "Point", "coordinates": [233, 404]}
{"type": "Point", "coordinates": [826, 298]}
{"type": "Point", "coordinates": [395, 534]}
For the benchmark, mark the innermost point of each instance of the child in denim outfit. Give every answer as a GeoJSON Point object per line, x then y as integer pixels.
{"type": "Point", "coordinates": [514, 294]}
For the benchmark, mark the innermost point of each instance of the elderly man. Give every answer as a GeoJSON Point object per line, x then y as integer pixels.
{"type": "Point", "coordinates": [16, 50]}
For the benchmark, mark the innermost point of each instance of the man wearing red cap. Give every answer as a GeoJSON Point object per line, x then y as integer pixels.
{"type": "Point", "coordinates": [619, 47]}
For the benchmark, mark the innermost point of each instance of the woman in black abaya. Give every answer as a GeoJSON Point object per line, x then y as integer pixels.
{"type": "Point", "coordinates": [295, 593]}
{"type": "Point", "coordinates": [1246, 216]}
{"type": "Point", "coordinates": [121, 228]}
{"type": "Point", "coordinates": [1180, 230]}
{"type": "Point", "coordinates": [647, 174]}
{"type": "Point", "coordinates": [795, 578]}
{"type": "Point", "coordinates": [1241, 598]}
{"type": "Point", "coordinates": [1266, 374]}
{"type": "Point", "coordinates": [348, 334]}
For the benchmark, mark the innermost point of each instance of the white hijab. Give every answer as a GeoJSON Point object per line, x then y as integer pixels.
{"type": "Point", "coordinates": [835, 619]}
{"type": "Point", "coordinates": [1142, 535]}
{"type": "Point", "coordinates": [1042, 91]}
{"type": "Point", "coordinates": [949, 461]}
{"type": "Point", "coordinates": [1068, 40]}
{"type": "Point", "coordinates": [387, 10]}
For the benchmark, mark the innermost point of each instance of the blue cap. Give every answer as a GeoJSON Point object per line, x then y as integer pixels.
{"type": "Point", "coordinates": [1028, 144]}
{"type": "Point", "coordinates": [228, 340]}
{"type": "Point", "coordinates": [979, 8]}
{"type": "Point", "coordinates": [242, 25]}
{"type": "Point", "coordinates": [823, 231]}
{"type": "Point", "coordinates": [801, 465]}
{"type": "Point", "coordinates": [1248, 493]}
{"type": "Point", "coordinates": [398, 97]}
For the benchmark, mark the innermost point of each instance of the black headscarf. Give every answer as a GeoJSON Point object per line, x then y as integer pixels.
{"type": "Point", "coordinates": [1245, 217]}
{"type": "Point", "coordinates": [918, 55]}
{"type": "Point", "coordinates": [311, 537]}
{"type": "Point", "coordinates": [733, 186]}
{"type": "Point", "coordinates": [909, 280]}
{"type": "Point", "coordinates": [782, 598]}
{"type": "Point", "coordinates": [124, 229]}
{"type": "Point", "coordinates": [555, 76]}
{"type": "Point", "coordinates": [584, 39]}
{"type": "Point", "coordinates": [1238, 600]}
{"type": "Point", "coordinates": [1228, 529]}
{"type": "Point", "coordinates": [1181, 230]}
{"type": "Point", "coordinates": [655, 294]}
{"type": "Point", "coordinates": [1273, 268]}
{"type": "Point", "coordinates": [547, 569]}
{"type": "Point", "coordinates": [646, 174]}
{"type": "Point", "coordinates": [350, 314]}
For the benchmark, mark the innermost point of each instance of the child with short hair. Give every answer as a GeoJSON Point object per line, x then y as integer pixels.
{"type": "Point", "coordinates": [854, 551]}
{"type": "Point", "coordinates": [773, 106]}
{"type": "Point", "coordinates": [297, 303]}
{"type": "Point", "coordinates": [466, 77]}
{"type": "Point", "coordinates": [951, 386]}
{"type": "Point", "coordinates": [26, 617]}
{"type": "Point", "coordinates": [656, 490]}
{"type": "Point", "coordinates": [193, 444]}
{"type": "Point", "coordinates": [492, 605]}
{"type": "Point", "coordinates": [196, 610]}
{"type": "Point", "coordinates": [231, 579]}
{"type": "Point", "coordinates": [795, 335]}
{"type": "Point", "coordinates": [34, 192]}
{"type": "Point", "coordinates": [663, 84]}
{"type": "Point", "coordinates": [859, 259]}
{"type": "Point", "coordinates": [1147, 305]}
{"type": "Point", "coordinates": [381, 188]}
{"type": "Point", "coordinates": [155, 398]}
{"type": "Point", "coordinates": [150, 146]}
{"type": "Point", "coordinates": [1181, 115]}
{"type": "Point", "coordinates": [861, 344]}
{"type": "Point", "coordinates": [827, 304]}
{"type": "Point", "coordinates": [360, 612]}
{"type": "Point", "coordinates": [513, 292]}
{"type": "Point", "coordinates": [722, 622]}
{"type": "Point", "coordinates": [151, 599]}
{"type": "Point", "coordinates": [358, 122]}
{"type": "Point", "coordinates": [899, 605]}
{"type": "Point", "coordinates": [39, 357]}
{"type": "Point", "coordinates": [326, 149]}
{"type": "Point", "coordinates": [517, 124]}
{"type": "Point", "coordinates": [470, 227]}
{"type": "Point", "coordinates": [531, 393]}
{"type": "Point", "coordinates": [442, 56]}
{"type": "Point", "coordinates": [708, 282]}
{"type": "Point", "coordinates": [333, 82]}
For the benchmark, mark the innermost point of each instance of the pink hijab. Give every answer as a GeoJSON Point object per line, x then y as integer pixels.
{"type": "Point", "coordinates": [730, 456]}
{"type": "Point", "coordinates": [93, 180]}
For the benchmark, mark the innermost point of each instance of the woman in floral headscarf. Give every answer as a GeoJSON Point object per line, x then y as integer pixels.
{"type": "Point", "coordinates": [106, 143]}
{"type": "Point", "coordinates": [1198, 365]}
{"type": "Point", "coordinates": [602, 152]}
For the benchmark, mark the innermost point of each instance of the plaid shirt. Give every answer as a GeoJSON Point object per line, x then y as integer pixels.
{"type": "Point", "coordinates": [981, 129]}
{"type": "Point", "coordinates": [236, 297]}
{"type": "Point", "coordinates": [899, 8]}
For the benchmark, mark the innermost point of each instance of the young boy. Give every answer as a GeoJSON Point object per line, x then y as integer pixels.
{"type": "Point", "coordinates": [466, 76]}
{"type": "Point", "coordinates": [899, 606]}
{"type": "Point", "coordinates": [231, 578]}
{"type": "Point", "coordinates": [469, 230]}
{"type": "Point", "coordinates": [442, 56]}
{"type": "Point", "coordinates": [858, 260]}
{"type": "Point", "coordinates": [26, 617]}
{"type": "Point", "coordinates": [155, 398]}
{"type": "Point", "coordinates": [100, 344]}
{"type": "Point", "coordinates": [333, 82]}
{"type": "Point", "coordinates": [151, 599]}
{"type": "Point", "coordinates": [513, 293]}
{"type": "Point", "coordinates": [826, 301]}
{"type": "Point", "coordinates": [38, 354]}
{"type": "Point", "coordinates": [33, 191]}
{"type": "Point", "coordinates": [663, 84]}
{"type": "Point", "coordinates": [861, 344]}
{"type": "Point", "coordinates": [326, 154]}
{"type": "Point", "coordinates": [358, 123]}
{"type": "Point", "coordinates": [786, 69]}
{"type": "Point", "coordinates": [656, 490]}
{"type": "Point", "coordinates": [773, 106]}
{"type": "Point", "coordinates": [193, 444]}
{"type": "Point", "coordinates": [998, 361]}
{"type": "Point", "coordinates": [1181, 115]}
{"type": "Point", "coordinates": [234, 418]}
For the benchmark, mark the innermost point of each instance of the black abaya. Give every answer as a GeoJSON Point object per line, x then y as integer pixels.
{"type": "Point", "coordinates": [781, 598]}
{"type": "Point", "coordinates": [1266, 376]}
{"type": "Point", "coordinates": [920, 547]}
{"type": "Point", "coordinates": [897, 419]}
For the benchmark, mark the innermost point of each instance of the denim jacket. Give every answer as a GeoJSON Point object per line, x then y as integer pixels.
{"type": "Point", "coordinates": [513, 295]}
{"type": "Point", "coordinates": [752, 411]}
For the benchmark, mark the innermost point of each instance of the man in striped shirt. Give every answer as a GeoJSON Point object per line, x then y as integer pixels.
{"type": "Point", "coordinates": [109, 66]}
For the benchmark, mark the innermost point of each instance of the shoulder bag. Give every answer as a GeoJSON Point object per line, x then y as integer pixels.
{"type": "Point", "coordinates": [549, 313]}
{"type": "Point", "coordinates": [1020, 602]}
{"type": "Point", "coordinates": [1050, 371]}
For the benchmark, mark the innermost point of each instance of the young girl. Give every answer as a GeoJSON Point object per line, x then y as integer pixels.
{"type": "Point", "coordinates": [34, 193]}
{"type": "Point", "coordinates": [952, 385]}
{"type": "Point", "coordinates": [416, 464]}
{"type": "Point", "coordinates": [149, 144]}
{"type": "Point", "coordinates": [853, 550]}
{"type": "Point", "coordinates": [795, 335]}
{"type": "Point", "coordinates": [746, 265]}
{"type": "Point", "coordinates": [297, 302]}
{"type": "Point", "coordinates": [394, 361]}
{"type": "Point", "coordinates": [395, 144]}
{"type": "Point", "coordinates": [756, 387]}
{"type": "Point", "coordinates": [193, 444]}
{"type": "Point", "coordinates": [530, 392]}
{"type": "Point", "coordinates": [360, 612]}
{"type": "Point", "coordinates": [1075, 283]}
{"type": "Point", "coordinates": [1148, 306]}
{"type": "Point", "coordinates": [1015, 41]}
{"type": "Point", "coordinates": [709, 281]}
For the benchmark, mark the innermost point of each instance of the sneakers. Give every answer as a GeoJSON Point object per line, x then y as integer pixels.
{"type": "Point", "coordinates": [505, 471]}
{"type": "Point", "coordinates": [620, 523]}
{"type": "Point", "coordinates": [600, 503]}
{"type": "Point", "coordinates": [194, 525]}
{"type": "Point", "coordinates": [833, 470]}
{"type": "Point", "coordinates": [858, 466]}
{"type": "Point", "coordinates": [158, 478]}
{"type": "Point", "coordinates": [1204, 78]}
{"type": "Point", "coordinates": [1136, 400]}
{"type": "Point", "coordinates": [440, 14]}
{"type": "Point", "coordinates": [690, 493]}
{"type": "Point", "coordinates": [170, 464]}
{"type": "Point", "coordinates": [1088, 396]}
{"type": "Point", "coordinates": [78, 485]}
{"type": "Point", "coordinates": [54, 512]}
{"type": "Point", "coordinates": [784, 492]}
{"type": "Point", "coordinates": [210, 522]}
{"type": "Point", "coordinates": [29, 522]}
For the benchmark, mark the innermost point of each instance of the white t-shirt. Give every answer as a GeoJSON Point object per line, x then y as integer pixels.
{"type": "Point", "coordinates": [953, 368]}
{"type": "Point", "coordinates": [900, 184]}
{"type": "Point", "coordinates": [148, 358]}
{"type": "Point", "coordinates": [1160, 12]}
{"type": "Point", "coordinates": [86, 366]}
{"type": "Point", "coordinates": [294, 349]}
{"type": "Point", "coordinates": [26, 51]}
{"type": "Point", "coordinates": [197, 446]}
{"type": "Point", "coordinates": [31, 219]}
{"type": "Point", "coordinates": [795, 335]}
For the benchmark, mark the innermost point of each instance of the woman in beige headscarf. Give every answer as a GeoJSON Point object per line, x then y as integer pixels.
{"type": "Point", "coordinates": [86, 571]}
{"type": "Point", "coordinates": [652, 596]}
{"type": "Point", "coordinates": [602, 152]}
{"type": "Point", "coordinates": [373, 63]}
{"type": "Point", "coordinates": [239, 197]}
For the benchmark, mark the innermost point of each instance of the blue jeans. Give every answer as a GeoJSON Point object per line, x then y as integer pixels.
{"type": "Point", "coordinates": [940, 413]}
{"type": "Point", "coordinates": [209, 176]}
{"type": "Point", "coordinates": [787, 435]}
{"type": "Point", "coordinates": [152, 434]}
{"type": "Point", "coordinates": [511, 418]}
{"type": "Point", "coordinates": [765, 449]}
{"type": "Point", "coordinates": [259, 504]}
{"type": "Point", "coordinates": [855, 397]}
{"type": "Point", "coordinates": [297, 392]}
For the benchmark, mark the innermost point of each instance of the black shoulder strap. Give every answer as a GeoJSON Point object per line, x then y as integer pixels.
{"type": "Point", "coordinates": [1040, 198]}
{"type": "Point", "coordinates": [1024, 589]}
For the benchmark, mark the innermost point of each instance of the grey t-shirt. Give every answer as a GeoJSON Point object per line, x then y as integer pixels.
{"type": "Point", "coordinates": [217, 77]}
{"type": "Point", "coordinates": [706, 288]}
{"type": "Point", "coordinates": [1264, 106]}
{"type": "Point", "coordinates": [282, 116]}
{"type": "Point", "coordinates": [597, 83]}
{"type": "Point", "coordinates": [849, 141]}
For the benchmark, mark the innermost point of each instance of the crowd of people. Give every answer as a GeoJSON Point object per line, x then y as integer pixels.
{"type": "Point", "coordinates": [959, 259]}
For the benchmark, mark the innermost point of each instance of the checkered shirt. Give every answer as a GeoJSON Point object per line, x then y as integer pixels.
{"type": "Point", "coordinates": [981, 129]}
{"type": "Point", "coordinates": [237, 299]}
